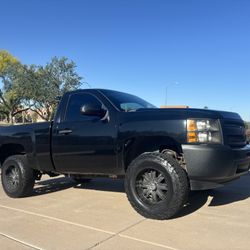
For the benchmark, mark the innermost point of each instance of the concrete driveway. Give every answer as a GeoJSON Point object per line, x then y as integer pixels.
{"type": "Point", "coordinates": [97, 215]}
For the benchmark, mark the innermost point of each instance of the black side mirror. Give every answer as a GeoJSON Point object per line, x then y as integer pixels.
{"type": "Point", "coordinates": [92, 110]}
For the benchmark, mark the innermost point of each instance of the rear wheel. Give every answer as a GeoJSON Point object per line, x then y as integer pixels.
{"type": "Point", "coordinates": [17, 177]}
{"type": "Point", "coordinates": [156, 185]}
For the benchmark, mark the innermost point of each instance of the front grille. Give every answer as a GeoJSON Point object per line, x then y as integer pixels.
{"type": "Point", "coordinates": [234, 133]}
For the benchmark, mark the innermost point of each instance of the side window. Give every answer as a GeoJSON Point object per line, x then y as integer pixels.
{"type": "Point", "coordinates": [76, 101]}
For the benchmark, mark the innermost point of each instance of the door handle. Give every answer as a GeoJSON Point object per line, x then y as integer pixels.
{"type": "Point", "coordinates": [65, 131]}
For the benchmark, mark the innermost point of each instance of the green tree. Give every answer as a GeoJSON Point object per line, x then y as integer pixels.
{"type": "Point", "coordinates": [47, 83]}
{"type": "Point", "coordinates": [10, 105]}
{"type": "Point", "coordinates": [11, 94]}
{"type": "Point", "coordinates": [6, 60]}
{"type": "Point", "coordinates": [34, 87]}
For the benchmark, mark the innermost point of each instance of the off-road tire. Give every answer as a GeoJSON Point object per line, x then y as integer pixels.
{"type": "Point", "coordinates": [176, 181]}
{"type": "Point", "coordinates": [24, 177]}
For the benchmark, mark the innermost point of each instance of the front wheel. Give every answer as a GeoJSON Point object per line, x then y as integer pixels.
{"type": "Point", "coordinates": [17, 177]}
{"type": "Point", "coordinates": [156, 185]}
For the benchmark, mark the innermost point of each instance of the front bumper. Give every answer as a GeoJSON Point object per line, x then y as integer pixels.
{"type": "Point", "coordinates": [210, 166]}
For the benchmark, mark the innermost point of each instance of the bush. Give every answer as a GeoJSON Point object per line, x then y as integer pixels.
{"type": "Point", "coordinates": [248, 134]}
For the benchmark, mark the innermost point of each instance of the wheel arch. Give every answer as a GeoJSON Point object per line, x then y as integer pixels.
{"type": "Point", "coordinates": [137, 146]}
{"type": "Point", "coordinates": [10, 149]}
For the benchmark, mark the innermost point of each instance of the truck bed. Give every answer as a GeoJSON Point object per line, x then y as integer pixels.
{"type": "Point", "coordinates": [35, 140]}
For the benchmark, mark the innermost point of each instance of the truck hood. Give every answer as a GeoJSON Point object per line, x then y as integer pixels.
{"type": "Point", "coordinates": [191, 113]}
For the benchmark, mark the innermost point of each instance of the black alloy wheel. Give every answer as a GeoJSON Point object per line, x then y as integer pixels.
{"type": "Point", "coordinates": [12, 178]}
{"type": "Point", "coordinates": [151, 186]}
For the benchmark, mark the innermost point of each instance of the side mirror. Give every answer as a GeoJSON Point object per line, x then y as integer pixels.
{"type": "Point", "coordinates": [92, 110]}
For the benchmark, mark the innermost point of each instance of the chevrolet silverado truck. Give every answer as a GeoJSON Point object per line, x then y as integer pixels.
{"type": "Point", "coordinates": [161, 153]}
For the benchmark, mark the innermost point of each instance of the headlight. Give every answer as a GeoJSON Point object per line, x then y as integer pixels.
{"type": "Point", "coordinates": [203, 131]}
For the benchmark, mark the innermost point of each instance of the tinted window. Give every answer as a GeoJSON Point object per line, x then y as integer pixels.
{"type": "Point", "coordinates": [126, 102]}
{"type": "Point", "coordinates": [76, 101]}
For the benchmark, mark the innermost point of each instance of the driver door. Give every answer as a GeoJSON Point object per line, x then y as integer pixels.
{"type": "Point", "coordinates": [83, 143]}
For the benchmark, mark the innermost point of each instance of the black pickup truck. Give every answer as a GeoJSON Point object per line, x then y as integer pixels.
{"type": "Point", "coordinates": [162, 153]}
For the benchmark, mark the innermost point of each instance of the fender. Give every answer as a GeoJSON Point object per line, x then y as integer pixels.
{"type": "Point", "coordinates": [133, 147]}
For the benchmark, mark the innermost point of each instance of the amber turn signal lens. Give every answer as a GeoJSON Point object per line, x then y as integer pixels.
{"type": "Point", "coordinates": [192, 137]}
{"type": "Point", "coordinates": [191, 125]}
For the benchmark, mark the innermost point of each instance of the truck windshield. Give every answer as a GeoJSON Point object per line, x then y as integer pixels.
{"type": "Point", "coordinates": [126, 102]}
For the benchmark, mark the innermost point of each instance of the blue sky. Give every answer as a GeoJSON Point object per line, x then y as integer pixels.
{"type": "Point", "coordinates": [142, 46]}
